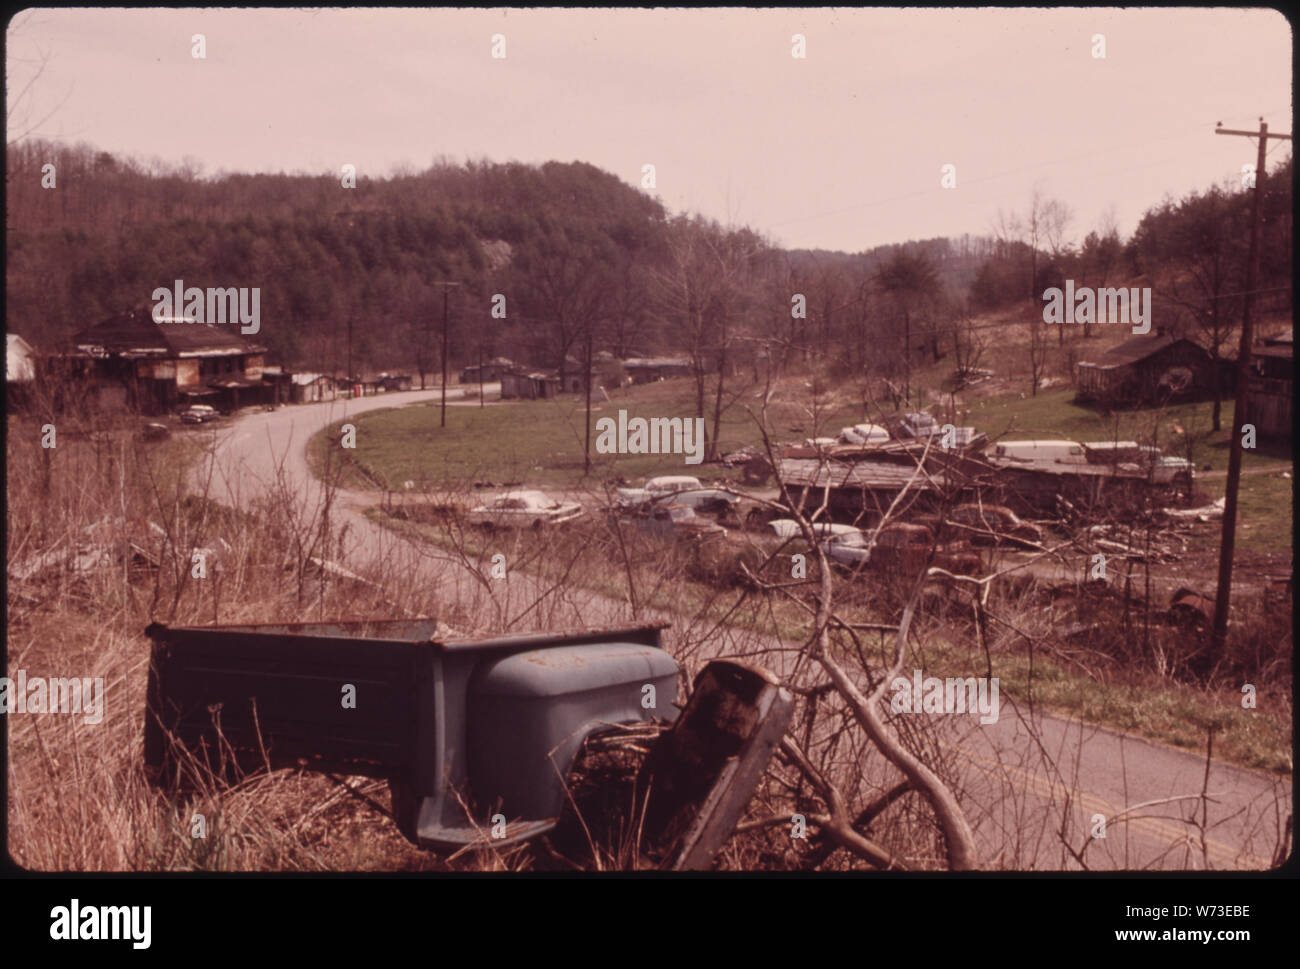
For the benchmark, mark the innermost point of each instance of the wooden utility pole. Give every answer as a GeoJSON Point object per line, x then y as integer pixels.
{"type": "Point", "coordinates": [1228, 542]}
{"type": "Point", "coordinates": [445, 286]}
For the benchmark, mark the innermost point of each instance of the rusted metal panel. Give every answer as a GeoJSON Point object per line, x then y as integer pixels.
{"type": "Point", "coordinates": [702, 773]}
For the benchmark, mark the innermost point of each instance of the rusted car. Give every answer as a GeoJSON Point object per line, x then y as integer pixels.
{"type": "Point", "coordinates": [902, 548]}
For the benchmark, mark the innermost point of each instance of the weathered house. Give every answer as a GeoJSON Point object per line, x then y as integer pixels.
{"type": "Point", "coordinates": [311, 388]}
{"type": "Point", "coordinates": [1152, 368]}
{"type": "Point", "coordinates": [1271, 387]}
{"type": "Point", "coordinates": [133, 361]}
{"type": "Point", "coordinates": [529, 385]}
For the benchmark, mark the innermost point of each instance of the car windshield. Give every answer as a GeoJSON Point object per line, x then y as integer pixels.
{"type": "Point", "coordinates": [853, 539]}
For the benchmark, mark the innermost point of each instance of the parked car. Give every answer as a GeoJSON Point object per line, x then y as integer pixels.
{"type": "Point", "coordinates": [198, 414]}
{"type": "Point", "coordinates": [918, 424]}
{"type": "Point", "coordinates": [682, 490]}
{"type": "Point", "coordinates": [993, 525]}
{"type": "Point", "coordinates": [524, 509]}
{"type": "Point", "coordinates": [153, 431]}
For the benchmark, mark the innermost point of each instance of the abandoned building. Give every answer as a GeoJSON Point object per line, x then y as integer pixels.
{"type": "Point", "coordinates": [1153, 368]}
{"type": "Point", "coordinates": [1271, 386]}
{"type": "Point", "coordinates": [522, 384]}
{"type": "Point", "coordinates": [131, 361]}
{"type": "Point", "coordinates": [311, 388]}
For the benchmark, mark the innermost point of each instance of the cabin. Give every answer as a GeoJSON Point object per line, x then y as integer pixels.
{"type": "Point", "coordinates": [311, 388]}
{"type": "Point", "coordinates": [1149, 369]}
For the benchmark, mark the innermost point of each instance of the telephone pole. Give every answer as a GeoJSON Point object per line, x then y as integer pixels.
{"type": "Point", "coordinates": [1228, 542]}
{"type": "Point", "coordinates": [446, 285]}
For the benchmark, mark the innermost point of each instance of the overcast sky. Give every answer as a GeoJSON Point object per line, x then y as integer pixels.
{"type": "Point", "coordinates": [841, 149]}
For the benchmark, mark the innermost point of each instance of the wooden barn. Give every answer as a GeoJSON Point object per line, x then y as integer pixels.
{"type": "Point", "coordinates": [1148, 369]}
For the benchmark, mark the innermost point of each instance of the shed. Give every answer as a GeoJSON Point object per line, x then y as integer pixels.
{"type": "Point", "coordinates": [1152, 368]}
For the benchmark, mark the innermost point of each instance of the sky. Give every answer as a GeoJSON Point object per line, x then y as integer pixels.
{"type": "Point", "coordinates": [842, 148]}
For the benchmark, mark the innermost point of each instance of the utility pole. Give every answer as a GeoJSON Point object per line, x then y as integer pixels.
{"type": "Point", "coordinates": [1228, 542]}
{"type": "Point", "coordinates": [349, 393]}
{"type": "Point", "coordinates": [445, 287]}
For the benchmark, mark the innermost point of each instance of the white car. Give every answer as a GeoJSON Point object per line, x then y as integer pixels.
{"type": "Point", "coordinates": [524, 509]}
{"type": "Point", "coordinates": [682, 489]}
{"type": "Point", "coordinates": [198, 414]}
{"type": "Point", "coordinates": [789, 528]}
{"type": "Point", "coordinates": [864, 434]}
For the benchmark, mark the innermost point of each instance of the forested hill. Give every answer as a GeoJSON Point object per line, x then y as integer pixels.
{"type": "Point", "coordinates": [571, 252]}
{"type": "Point", "coordinates": [110, 231]}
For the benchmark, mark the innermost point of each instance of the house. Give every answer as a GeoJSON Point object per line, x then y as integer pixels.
{"type": "Point", "coordinates": [132, 361]}
{"type": "Point", "coordinates": [311, 388]}
{"type": "Point", "coordinates": [1271, 387]}
{"type": "Point", "coordinates": [1152, 368]}
{"type": "Point", "coordinates": [20, 369]}
{"type": "Point", "coordinates": [529, 385]}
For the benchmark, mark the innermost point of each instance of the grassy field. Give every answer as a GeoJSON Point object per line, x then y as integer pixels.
{"type": "Point", "coordinates": [541, 442]}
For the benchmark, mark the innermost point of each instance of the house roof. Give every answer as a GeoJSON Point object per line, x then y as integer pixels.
{"type": "Point", "coordinates": [815, 473]}
{"type": "Point", "coordinates": [1138, 348]}
{"type": "Point", "coordinates": [134, 333]}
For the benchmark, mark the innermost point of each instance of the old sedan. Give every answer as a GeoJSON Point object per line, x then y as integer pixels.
{"type": "Point", "coordinates": [524, 509]}
{"type": "Point", "coordinates": [681, 489]}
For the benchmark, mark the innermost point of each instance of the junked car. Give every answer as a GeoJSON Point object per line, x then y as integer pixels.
{"type": "Point", "coordinates": [902, 548]}
{"type": "Point", "coordinates": [864, 434]}
{"type": "Point", "coordinates": [681, 489]}
{"type": "Point", "coordinates": [671, 520]}
{"type": "Point", "coordinates": [789, 528]}
{"type": "Point", "coordinates": [198, 414]}
{"type": "Point", "coordinates": [993, 525]}
{"type": "Point", "coordinates": [524, 509]}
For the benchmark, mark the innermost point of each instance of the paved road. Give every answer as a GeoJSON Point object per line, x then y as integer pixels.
{"type": "Point", "coordinates": [1017, 783]}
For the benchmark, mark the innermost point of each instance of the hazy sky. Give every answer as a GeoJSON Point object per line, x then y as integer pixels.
{"type": "Point", "coordinates": [841, 149]}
